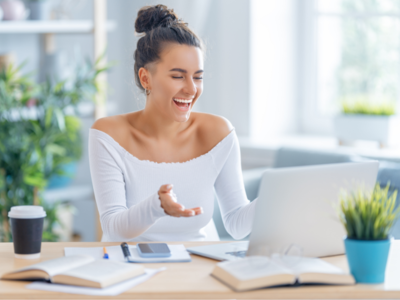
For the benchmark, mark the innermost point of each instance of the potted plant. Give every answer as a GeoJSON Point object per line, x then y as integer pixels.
{"type": "Point", "coordinates": [39, 134]}
{"type": "Point", "coordinates": [368, 218]}
{"type": "Point", "coordinates": [362, 120]}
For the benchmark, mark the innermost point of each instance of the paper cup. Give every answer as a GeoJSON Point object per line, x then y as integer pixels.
{"type": "Point", "coordinates": [27, 229]}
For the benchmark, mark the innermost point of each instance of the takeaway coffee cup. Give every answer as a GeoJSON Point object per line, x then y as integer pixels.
{"type": "Point", "coordinates": [27, 228]}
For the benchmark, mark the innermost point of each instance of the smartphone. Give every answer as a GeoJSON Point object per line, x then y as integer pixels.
{"type": "Point", "coordinates": [153, 250]}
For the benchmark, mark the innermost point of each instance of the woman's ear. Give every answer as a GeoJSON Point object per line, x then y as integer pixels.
{"type": "Point", "coordinates": [144, 76]}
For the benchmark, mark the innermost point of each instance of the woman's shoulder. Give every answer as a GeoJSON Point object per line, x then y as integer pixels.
{"type": "Point", "coordinates": [114, 126]}
{"type": "Point", "coordinates": [212, 129]}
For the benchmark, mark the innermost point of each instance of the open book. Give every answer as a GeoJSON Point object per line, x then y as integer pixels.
{"type": "Point", "coordinates": [259, 271]}
{"type": "Point", "coordinates": [80, 270]}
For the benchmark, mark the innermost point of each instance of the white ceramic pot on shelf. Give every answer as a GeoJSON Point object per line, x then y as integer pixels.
{"type": "Point", "coordinates": [14, 10]}
{"type": "Point", "coordinates": [382, 129]}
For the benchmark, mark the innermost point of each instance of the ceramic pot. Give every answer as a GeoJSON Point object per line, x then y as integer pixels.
{"type": "Point", "coordinates": [14, 10]}
{"type": "Point", "coordinates": [6, 59]}
{"type": "Point", "coordinates": [382, 129]}
{"type": "Point", "coordinates": [367, 259]}
{"type": "Point", "coordinates": [39, 10]}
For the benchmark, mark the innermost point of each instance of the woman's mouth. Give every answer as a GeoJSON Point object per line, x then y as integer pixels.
{"type": "Point", "coordinates": [183, 104]}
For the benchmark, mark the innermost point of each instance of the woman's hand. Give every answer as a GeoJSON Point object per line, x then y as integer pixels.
{"type": "Point", "coordinates": [171, 206]}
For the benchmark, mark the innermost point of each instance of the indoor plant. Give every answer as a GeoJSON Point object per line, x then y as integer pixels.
{"type": "Point", "coordinates": [39, 133]}
{"type": "Point", "coordinates": [368, 218]}
{"type": "Point", "coordinates": [362, 120]}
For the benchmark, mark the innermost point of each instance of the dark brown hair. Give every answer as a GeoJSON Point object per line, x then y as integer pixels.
{"type": "Point", "coordinates": [161, 26]}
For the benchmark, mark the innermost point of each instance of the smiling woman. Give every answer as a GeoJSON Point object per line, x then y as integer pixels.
{"type": "Point", "coordinates": [152, 166]}
{"type": "Point", "coordinates": [174, 90]}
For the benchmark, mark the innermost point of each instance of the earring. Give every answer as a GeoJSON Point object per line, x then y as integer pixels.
{"type": "Point", "coordinates": [147, 91]}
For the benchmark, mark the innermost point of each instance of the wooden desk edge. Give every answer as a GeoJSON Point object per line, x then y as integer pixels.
{"type": "Point", "coordinates": [51, 250]}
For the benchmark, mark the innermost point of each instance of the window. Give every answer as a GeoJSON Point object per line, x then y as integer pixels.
{"type": "Point", "coordinates": [352, 54]}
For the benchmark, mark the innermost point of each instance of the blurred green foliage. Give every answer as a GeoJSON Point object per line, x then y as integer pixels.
{"type": "Point", "coordinates": [361, 105]}
{"type": "Point", "coordinates": [39, 133]}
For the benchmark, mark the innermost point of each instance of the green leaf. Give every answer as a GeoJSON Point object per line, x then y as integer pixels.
{"type": "Point", "coordinates": [35, 181]}
{"type": "Point", "coordinates": [55, 149]}
{"type": "Point", "coordinates": [60, 119]}
{"type": "Point", "coordinates": [369, 215]}
{"type": "Point", "coordinates": [49, 115]}
{"type": "Point", "coordinates": [59, 86]}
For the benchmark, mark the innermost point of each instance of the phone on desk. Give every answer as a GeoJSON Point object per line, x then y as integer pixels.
{"type": "Point", "coordinates": [153, 250]}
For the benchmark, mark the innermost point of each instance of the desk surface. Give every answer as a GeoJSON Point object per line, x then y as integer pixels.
{"type": "Point", "coordinates": [193, 280]}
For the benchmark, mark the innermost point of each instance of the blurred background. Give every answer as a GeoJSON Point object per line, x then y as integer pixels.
{"type": "Point", "coordinates": [302, 81]}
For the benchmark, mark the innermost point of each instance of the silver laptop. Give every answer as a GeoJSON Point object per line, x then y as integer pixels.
{"type": "Point", "coordinates": [296, 206]}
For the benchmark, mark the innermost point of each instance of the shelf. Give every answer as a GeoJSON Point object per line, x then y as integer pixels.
{"type": "Point", "coordinates": [72, 26]}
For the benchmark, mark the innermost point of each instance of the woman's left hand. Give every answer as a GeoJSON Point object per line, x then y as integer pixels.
{"type": "Point", "coordinates": [171, 206]}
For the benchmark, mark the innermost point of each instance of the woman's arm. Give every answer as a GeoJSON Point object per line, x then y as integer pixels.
{"type": "Point", "coordinates": [236, 210]}
{"type": "Point", "coordinates": [117, 220]}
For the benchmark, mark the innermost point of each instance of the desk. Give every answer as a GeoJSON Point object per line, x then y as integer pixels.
{"type": "Point", "coordinates": [192, 280]}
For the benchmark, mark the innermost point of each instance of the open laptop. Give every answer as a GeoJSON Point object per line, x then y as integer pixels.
{"type": "Point", "coordinates": [297, 206]}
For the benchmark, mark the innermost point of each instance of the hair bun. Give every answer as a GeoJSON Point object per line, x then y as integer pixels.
{"type": "Point", "coordinates": [150, 17]}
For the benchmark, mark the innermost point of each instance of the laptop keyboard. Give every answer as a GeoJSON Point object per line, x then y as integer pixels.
{"type": "Point", "coordinates": [237, 253]}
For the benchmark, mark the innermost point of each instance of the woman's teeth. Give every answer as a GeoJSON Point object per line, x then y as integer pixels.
{"type": "Point", "coordinates": [183, 102]}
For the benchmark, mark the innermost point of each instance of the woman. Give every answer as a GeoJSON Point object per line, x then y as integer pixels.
{"type": "Point", "coordinates": [153, 166]}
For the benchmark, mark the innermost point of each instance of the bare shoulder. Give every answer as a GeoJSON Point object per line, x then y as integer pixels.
{"type": "Point", "coordinates": [212, 128]}
{"type": "Point", "coordinates": [113, 125]}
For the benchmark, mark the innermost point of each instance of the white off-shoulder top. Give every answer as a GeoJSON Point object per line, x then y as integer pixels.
{"type": "Point", "coordinates": [126, 187]}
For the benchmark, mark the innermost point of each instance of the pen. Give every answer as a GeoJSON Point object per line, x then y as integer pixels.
{"type": "Point", "coordinates": [125, 251]}
{"type": "Point", "coordinates": [105, 253]}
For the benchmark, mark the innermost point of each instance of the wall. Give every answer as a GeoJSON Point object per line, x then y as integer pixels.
{"type": "Point", "coordinates": [273, 68]}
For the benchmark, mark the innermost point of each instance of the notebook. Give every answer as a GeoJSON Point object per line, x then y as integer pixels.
{"type": "Point", "coordinates": [178, 254]}
{"type": "Point", "coordinates": [259, 271]}
{"type": "Point", "coordinates": [79, 270]}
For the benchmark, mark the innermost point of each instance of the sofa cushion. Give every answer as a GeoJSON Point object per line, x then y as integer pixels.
{"type": "Point", "coordinates": [295, 157]}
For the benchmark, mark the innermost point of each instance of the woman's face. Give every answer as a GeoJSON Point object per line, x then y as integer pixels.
{"type": "Point", "coordinates": [176, 81]}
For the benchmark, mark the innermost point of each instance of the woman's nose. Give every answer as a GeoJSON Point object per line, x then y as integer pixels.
{"type": "Point", "coordinates": [190, 87]}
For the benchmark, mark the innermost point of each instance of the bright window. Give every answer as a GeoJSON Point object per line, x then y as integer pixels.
{"type": "Point", "coordinates": [353, 47]}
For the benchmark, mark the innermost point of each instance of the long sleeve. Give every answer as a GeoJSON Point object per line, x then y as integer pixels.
{"type": "Point", "coordinates": [117, 220]}
{"type": "Point", "coordinates": [236, 210]}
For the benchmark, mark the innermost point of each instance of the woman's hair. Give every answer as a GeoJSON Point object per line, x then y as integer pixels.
{"type": "Point", "coordinates": [161, 26]}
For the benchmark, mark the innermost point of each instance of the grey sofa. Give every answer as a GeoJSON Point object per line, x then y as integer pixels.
{"type": "Point", "coordinates": [291, 157]}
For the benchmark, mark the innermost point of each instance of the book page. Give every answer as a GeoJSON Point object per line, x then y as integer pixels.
{"type": "Point", "coordinates": [315, 270]}
{"type": "Point", "coordinates": [102, 271]}
{"type": "Point", "coordinates": [253, 267]}
{"type": "Point", "coordinates": [314, 265]}
{"type": "Point", "coordinates": [58, 265]}
{"type": "Point", "coordinates": [113, 290]}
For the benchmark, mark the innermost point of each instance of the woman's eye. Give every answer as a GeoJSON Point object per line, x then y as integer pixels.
{"type": "Point", "coordinates": [177, 77]}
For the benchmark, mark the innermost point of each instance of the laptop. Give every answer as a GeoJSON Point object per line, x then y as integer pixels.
{"type": "Point", "coordinates": [296, 206]}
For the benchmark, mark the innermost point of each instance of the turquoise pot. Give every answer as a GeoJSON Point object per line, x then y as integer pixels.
{"type": "Point", "coordinates": [367, 259]}
{"type": "Point", "coordinates": [56, 181]}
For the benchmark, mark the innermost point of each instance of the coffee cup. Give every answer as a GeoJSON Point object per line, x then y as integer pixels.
{"type": "Point", "coordinates": [27, 229]}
